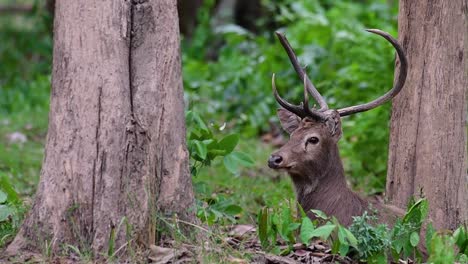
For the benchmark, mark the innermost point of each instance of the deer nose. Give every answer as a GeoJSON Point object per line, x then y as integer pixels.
{"type": "Point", "coordinates": [274, 161]}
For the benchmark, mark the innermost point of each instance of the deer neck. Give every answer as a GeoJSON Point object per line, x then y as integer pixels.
{"type": "Point", "coordinates": [326, 189]}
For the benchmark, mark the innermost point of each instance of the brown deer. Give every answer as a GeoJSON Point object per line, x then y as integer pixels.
{"type": "Point", "coordinates": [311, 156]}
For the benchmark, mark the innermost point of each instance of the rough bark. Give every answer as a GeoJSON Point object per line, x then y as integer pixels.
{"type": "Point", "coordinates": [115, 150]}
{"type": "Point", "coordinates": [428, 125]}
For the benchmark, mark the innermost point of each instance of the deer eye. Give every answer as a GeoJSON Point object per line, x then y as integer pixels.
{"type": "Point", "coordinates": [313, 140]}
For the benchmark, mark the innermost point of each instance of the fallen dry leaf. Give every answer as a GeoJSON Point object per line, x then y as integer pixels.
{"type": "Point", "coordinates": [162, 255]}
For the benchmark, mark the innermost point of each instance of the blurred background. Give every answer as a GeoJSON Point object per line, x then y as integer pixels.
{"type": "Point", "coordinates": [229, 52]}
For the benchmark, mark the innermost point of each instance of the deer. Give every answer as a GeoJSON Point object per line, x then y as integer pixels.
{"type": "Point", "coordinates": [311, 156]}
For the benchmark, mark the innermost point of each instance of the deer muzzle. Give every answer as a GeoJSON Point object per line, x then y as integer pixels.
{"type": "Point", "coordinates": [275, 161]}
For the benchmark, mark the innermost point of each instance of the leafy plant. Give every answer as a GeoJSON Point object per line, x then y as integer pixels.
{"type": "Point", "coordinates": [11, 211]}
{"type": "Point", "coordinates": [363, 240]}
{"type": "Point", "coordinates": [373, 241]}
{"type": "Point", "coordinates": [204, 146]}
{"type": "Point", "coordinates": [274, 223]}
{"type": "Point", "coordinates": [281, 223]}
{"type": "Point", "coordinates": [217, 210]}
{"type": "Point", "coordinates": [441, 246]}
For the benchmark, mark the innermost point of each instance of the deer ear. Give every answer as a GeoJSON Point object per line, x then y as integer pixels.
{"type": "Point", "coordinates": [288, 120]}
{"type": "Point", "coordinates": [333, 124]}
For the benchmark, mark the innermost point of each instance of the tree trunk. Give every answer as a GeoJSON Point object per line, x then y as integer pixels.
{"type": "Point", "coordinates": [115, 150]}
{"type": "Point", "coordinates": [428, 125]}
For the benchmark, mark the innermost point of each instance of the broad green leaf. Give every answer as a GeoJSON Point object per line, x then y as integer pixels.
{"type": "Point", "coordinates": [192, 116]}
{"type": "Point", "coordinates": [461, 239]}
{"type": "Point", "coordinates": [201, 149]}
{"type": "Point", "coordinates": [319, 214]}
{"type": "Point", "coordinates": [351, 238]}
{"type": "Point", "coordinates": [323, 231]}
{"type": "Point", "coordinates": [342, 235]}
{"type": "Point", "coordinates": [232, 209]}
{"type": "Point", "coordinates": [346, 237]}
{"type": "Point", "coordinates": [3, 197]}
{"type": "Point", "coordinates": [307, 228]}
{"type": "Point", "coordinates": [417, 212]}
{"type": "Point", "coordinates": [243, 158]}
{"type": "Point", "coordinates": [414, 239]}
{"type": "Point", "coordinates": [398, 245]}
{"type": "Point", "coordinates": [5, 212]}
{"type": "Point", "coordinates": [228, 143]}
{"type": "Point", "coordinates": [286, 220]}
{"type": "Point", "coordinates": [7, 188]}
{"type": "Point", "coordinates": [293, 226]}
{"type": "Point", "coordinates": [231, 164]}
{"type": "Point", "coordinates": [344, 248]}
{"type": "Point", "coordinates": [234, 160]}
{"type": "Point", "coordinates": [429, 234]}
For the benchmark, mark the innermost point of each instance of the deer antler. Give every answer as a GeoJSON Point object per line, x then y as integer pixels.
{"type": "Point", "coordinates": [303, 109]}
{"type": "Point", "coordinates": [308, 84]}
{"type": "Point", "coordinates": [396, 88]}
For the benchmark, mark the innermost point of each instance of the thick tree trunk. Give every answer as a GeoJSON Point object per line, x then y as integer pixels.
{"type": "Point", "coordinates": [428, 126]}
{"type": "Point", "coordinates": [115, 148]}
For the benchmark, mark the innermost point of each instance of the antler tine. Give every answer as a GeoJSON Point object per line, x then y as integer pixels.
{"type": "Point", "coordinates": [310, 112]}
{"type": "Point", "coordinates": [293, 58]}
{"type": "Point", "coordinates": [297, 110]}
{"type": "Point", "coordinates": [396, 88]}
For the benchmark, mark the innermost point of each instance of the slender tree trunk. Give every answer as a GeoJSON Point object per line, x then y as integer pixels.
{"type": "Point", "coordinates": [115, 150]}
{"type": "Point", "coordinates": [428, 127]}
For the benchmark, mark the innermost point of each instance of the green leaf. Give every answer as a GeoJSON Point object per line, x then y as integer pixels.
{"type": "Point", "coordinates": [307, 228]}
{"type": "Point", "coordinates": [228, 143]}
{"type": "Point", "coordinates": [293, 226]}
{"type": "Point", "coordinates": [323, 231]}
{"type": "Point", "coordinates": [416, 213]}
{"type": "Point", "coordinates": [286, 220]}
{"type": "Point", "coordinates": [231, 164]}
{"type": "Point", "coordinates": [201, 149]}
{"type": "Point", "coordinates": [301, 210]}
{"type": "Point", "coordinates": [429, 234]}
{"type": "Point", "coordinates": [460, 237]}
{"type": "Point", "coordinates": [5, 212]}
{"type": "Point", "coordinates": [232, 209]}
{"type": "Point", "coordinates": [414, 239]}
{"type": "Point", "coordinates": [234, 160]}
{"type": "Point", "coordinates": [3, 197]}
{"type": "Point", "coordinates": [344, 248]}
{"type": "Point", "coordinates": [243, 158]}
{"type": "Point", "coordinates": [192, 116]}
{"type": "Point", "coordinates": [319, 214]}
{"type": "Point", "coordinates": [351, 238]}
{"type": "Point", "coordinates": [263, 227]}
{"type": "Point", "coordinates": [346, 237]}
{"type": "Point", "coordinates": [7, 187]}
{"type": "Point", "coordinates": [342, 235]}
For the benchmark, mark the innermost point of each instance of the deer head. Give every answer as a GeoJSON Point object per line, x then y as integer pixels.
{"type": "Point", "coordinates": [311, 155]}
